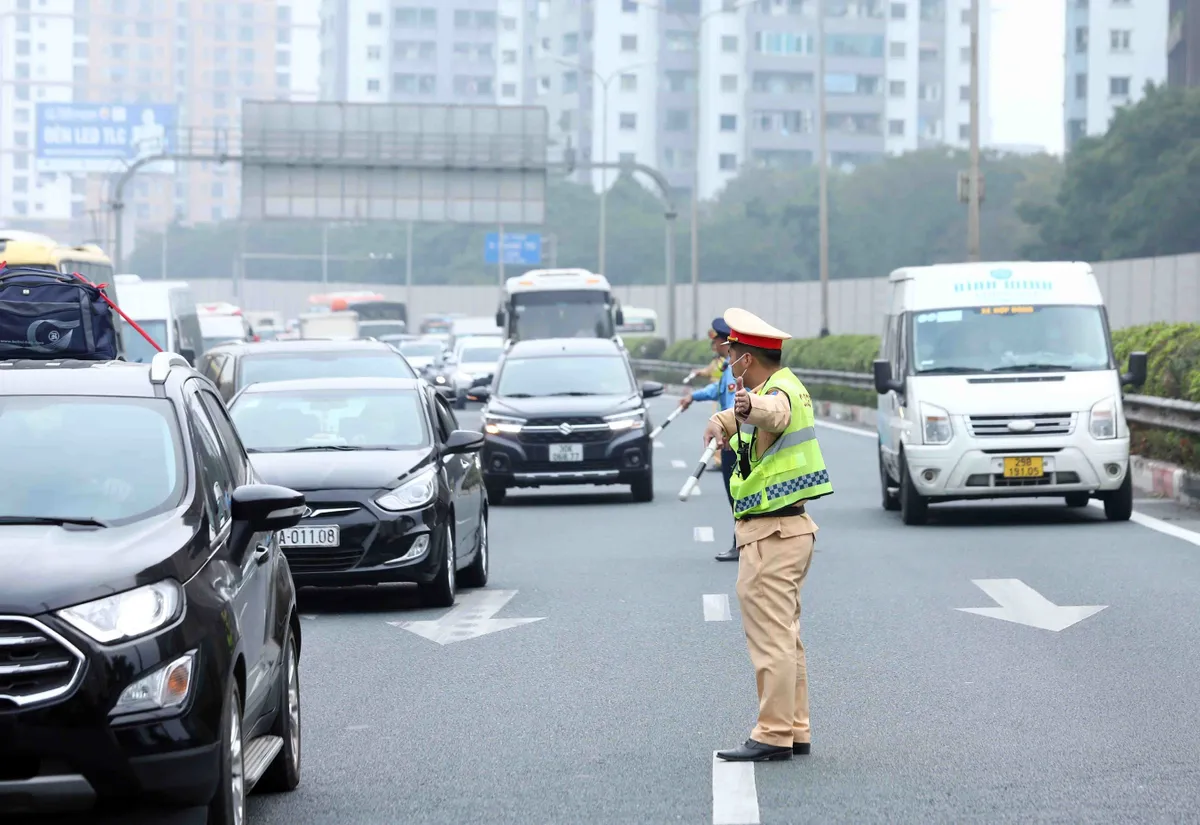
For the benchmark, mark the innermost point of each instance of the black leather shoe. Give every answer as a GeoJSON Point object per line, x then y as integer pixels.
{"type": "Point", "coordinates": [801, 748]}
{"type": "Point", "coordinates": [731, 554]}
{"type": "Point", "coordinates": [752, 751]}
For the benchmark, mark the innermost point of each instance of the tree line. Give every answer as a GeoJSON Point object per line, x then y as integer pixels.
{"type": "Point", "coordinates": [1129, 193]}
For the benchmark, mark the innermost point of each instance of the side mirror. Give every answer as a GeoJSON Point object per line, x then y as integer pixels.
{"type": "Point", "coordinates": [265, 507]}
{"type": "Point", "coordinates": [884, 383]}
{"type": "Point", "coordinates": [188, 354]}
{"type": "Point", "coordinates": [500, 318]}
{"type": "Point", "coordinates": [652, 389]}
{"type": "Point", "coordinates": [479, 393]}
{"type": "Point", "coordinates": [1136, 376]}
{"type": "Point", "coordinates": [620, 319]}
{"type": "Point", "coordinates": [463, 441]}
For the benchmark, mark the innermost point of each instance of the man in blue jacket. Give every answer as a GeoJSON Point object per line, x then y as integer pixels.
{"type": "Point", "coordinates": [722, 391]}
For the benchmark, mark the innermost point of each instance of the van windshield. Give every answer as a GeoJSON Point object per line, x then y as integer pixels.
{"type": "Point", "coordinates": [137, 348]}
{"type": "Point", "coordinates": [1010, 339]}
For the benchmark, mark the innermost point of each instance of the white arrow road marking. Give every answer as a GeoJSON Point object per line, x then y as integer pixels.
{"type": "Point", "coordinates": [469, 619]}
{"type": "Point", "coordinates": [1021, 604]}
{"type": "Point", "coordinates": [735, 796]}
{"type": "Point", "coordinates": [678, 464]}
{"type": "Point", "coordinates": [716, 607]}
{"type": "Point", "coordinates": [702, 533]}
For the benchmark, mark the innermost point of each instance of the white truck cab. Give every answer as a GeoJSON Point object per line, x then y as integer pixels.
{"type": "Point", "coordinates": [998, 380]}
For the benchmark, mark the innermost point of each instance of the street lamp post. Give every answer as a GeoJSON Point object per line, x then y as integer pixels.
{"type": "Point", "coordinates": [973, 182]}
{"type": "Point", "coordinates": [822, 171]}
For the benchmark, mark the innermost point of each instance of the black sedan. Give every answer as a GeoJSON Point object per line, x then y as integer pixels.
{"type": "Point", "coordinates": [394, 489]}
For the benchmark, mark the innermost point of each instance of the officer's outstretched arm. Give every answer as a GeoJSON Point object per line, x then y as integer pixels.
{"type": "Point", "coordinates": [771, 413]}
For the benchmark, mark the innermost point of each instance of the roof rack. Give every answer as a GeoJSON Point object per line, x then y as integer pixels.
{"type": "Point", "coordinates": [160, 366]}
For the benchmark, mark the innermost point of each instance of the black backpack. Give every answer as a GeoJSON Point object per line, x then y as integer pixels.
{"type": "Point", "coordinates": [54, 316]}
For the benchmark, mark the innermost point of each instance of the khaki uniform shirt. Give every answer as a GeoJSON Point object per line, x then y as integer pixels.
{"type": "Point", "coordinates": [770, 414]}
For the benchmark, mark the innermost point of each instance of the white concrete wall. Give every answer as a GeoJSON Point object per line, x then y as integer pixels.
{"type": "Point", "coordinates": [1136, 291]}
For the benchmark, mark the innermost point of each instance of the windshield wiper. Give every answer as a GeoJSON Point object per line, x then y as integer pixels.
{"type": "Point", "coordinates": [519, 395]}
{"type": "Point", "coordinates": [574, 393]}
{"type": "Point", "coordinates": [79, 522]}
{"type": "Point", "coordinates": [949, 370]}
{"type": "Point", "coordinates": [318, 448]}
{"type": "Point", "coordinates": [1035, 368]}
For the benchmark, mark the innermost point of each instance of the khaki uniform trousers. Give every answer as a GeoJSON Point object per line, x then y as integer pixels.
{"type": "Point", "coordinates": [771, 572]}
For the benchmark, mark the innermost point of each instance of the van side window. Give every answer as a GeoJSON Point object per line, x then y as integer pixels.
{"type": "Point", "coordinates": [902, 322]}
{"type": "Point", "coordinates": [885, 346]}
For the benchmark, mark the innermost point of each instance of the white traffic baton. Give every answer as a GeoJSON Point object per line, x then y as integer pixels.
{"type": "Point", "coordinates": [654, 433]}
{"type": "Point", "coordinates": [692, 375]}
{"type": "Point", "coordinates": [688, 486]}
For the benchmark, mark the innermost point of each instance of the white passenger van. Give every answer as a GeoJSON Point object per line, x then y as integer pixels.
{"type": "Point", "coordinates": [166, 310]}
{"type": "Point", "coordinates": [998, 380]}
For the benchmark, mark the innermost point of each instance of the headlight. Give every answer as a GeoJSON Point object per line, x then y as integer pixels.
{"type": "Point", "coordinates": [416, 492]}
{"type": "Point", "coordinates": [1102, 422]}
{"type": "Point", "coordinates": [935, 425]}
{"type": "Point", "coordinates": [626, 421]}
{"type": "Point", "coordinates": [441, 379]}
{"type": "Point", "coordinates": [502, 424]}
{"type": "Point", "coordinates": [126, 615]}
{"type": "Point", "coordinates": [166, 687]}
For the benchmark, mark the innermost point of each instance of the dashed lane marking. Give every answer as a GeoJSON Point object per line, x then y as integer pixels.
{"type": "Point", "coordinates": [702, 533]}
{"type": "Point", "coordinates": [716, 607]}
{"type": "Point", "coordinates": [735, 796]}
{"type": "Point", "coordinates": [659, 445]}
{"type": "Point", "coordinates": [678, 465]}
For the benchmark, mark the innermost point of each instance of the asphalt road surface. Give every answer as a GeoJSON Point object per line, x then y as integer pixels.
{"type": "Point", "coordinates": [608, 708]}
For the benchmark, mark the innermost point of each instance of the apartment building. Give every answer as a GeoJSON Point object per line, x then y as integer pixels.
{"type": "Point", "coordinates": [426, 51]}
{"type": "Point", "coordinates": [173, 70]}
{"type": "Point", "coordinates": [897, 78]}
{"type": "Point", "coordinates": [1183, 43]}
{"type": "Point", "coordinates": [1113, 48]}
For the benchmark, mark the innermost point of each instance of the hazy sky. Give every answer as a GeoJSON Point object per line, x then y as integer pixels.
{"type": "Point", "coordinates": [1027, 72]}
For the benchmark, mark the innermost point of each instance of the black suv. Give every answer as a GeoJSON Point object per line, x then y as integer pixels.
{"type": "Point", "coordinates": [149, 641]}
{"type": "Point", "coordinates": [567, 411]}
{"type": "Point", "coordinates": [239, 364]}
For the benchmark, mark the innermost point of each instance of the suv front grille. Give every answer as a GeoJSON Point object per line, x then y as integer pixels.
{"type": "Point", "coordinates": [574, 422]}
{"type": "Point", "coordinates": [1043, 424]}
{"type": "Point", "coordinates": [36, 664]}
{"type": "Point", "coordinates": [575, 437]}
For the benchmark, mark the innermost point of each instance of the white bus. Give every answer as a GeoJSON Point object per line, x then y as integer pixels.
{"type": "Point", "coordinates": [558, 303]}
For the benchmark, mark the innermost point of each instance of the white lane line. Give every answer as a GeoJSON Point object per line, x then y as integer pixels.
{"type": "Point", "coordinates": [735, 796]}
{"type": "Point", "coordinates": [716, 607]}
{"type": "Point", "coordinates": [1164, 527]}
{"type": "Point", "coordinates": [678, 465]}
{"type": "Point", "coordinates": [695, 491]}
{"type": "Point", "coordinates": [659, 444]}
{"type": "Point", "coordinates": [843, 428]}
{"type": "Point", "coordinates": [307, 617]}
{"type": "Point", "coordinates": [702, 534]}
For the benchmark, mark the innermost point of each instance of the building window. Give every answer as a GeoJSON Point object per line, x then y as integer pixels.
{"type": "Point", "coordinates": [570, 83]}
{"type": "Point", "coordinates": [373, 53]}
{"type": "Point", "coordinates": [629, 5]}
{"type": "Point", "coordinates": [964, 94]}
{"type": "Point", "coordinates": [1081, 86]}
{"type": "Point", "coordinates": [727, 162]}
{"type": "Point", "coordinates": [896, 128]}
{"type": "Point", "coordinates": [965, 17]}
{"type": "Point", "coordinates": [964, 54]}
{"type": "Point", "coordinates": [964, 131]}
{"type": "Point", "coordinates": [508, 57]}
{"type": "Point", "coordinates": [680, 41]}
{"type": "Point", "coordinates": [1118, 87]}
{"type": "Point", "coordinates": [729, 43]}
{"type": "Point", "coordinates": [729, 83]}
{"type": "Point", "coordinates": [570, 44]}
{"type": "Point", "coordinates": [899, 11]}
{"type": "Point", "coordinates": [509, 24]}
{"type": "Point", "coordinates": [728, 123]}
{"type": "Point", "coordinates": [627, 158]}
{"type": "Point", "coordinates": [375, 19]}
{"type": "Point", "coordinates": [628, 83]}
{"type": "Point", "coordinates": [897, 49]}
{"type": "Point", "coordinates": [1118, 39]}
{"type": "Point", "coordinates": [627, 121]}
{"type": "Point", "coordinates": [373, 85]}
{"type": "Point", "coordinates": [1081, 39]}
{"type": "Point", "coordinates": [679, 82]}
{"type": "Point", "coordinates": [629, 42]}
{"type": "Point", "coordinates": [896, 88]}
{"type": "Point", "coordinates": [508, 90]}
{"type": "Point", "coordinates": [678, 120]}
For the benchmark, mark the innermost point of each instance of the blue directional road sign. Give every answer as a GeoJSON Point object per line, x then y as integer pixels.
{"type": "Point", "coordinates": [519, 248]}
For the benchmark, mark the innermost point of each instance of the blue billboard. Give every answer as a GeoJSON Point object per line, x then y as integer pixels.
{"type": "Point", "coordinates": [519, 248]}
{"type": "Point", "coordinates": [103, 137]}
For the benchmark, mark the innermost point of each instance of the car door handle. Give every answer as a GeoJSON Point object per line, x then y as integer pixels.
{"type": "Point", "coordinates": [261, 554]}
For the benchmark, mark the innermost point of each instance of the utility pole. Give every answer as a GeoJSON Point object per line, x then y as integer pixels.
{"type": "Point", "coordinates": [822, 171]}
{"type": "Point", "coordinates": [604, 175]}
{"type": "Point", "coordinates": [695, 219]}
{"type": "Point", "coordinates": [973, 180]}
{"type": "Point", "coordinates": [324, 254]}
{"type": "Point", "coordinates": [166, 232]}
{"type": "Point", "coordinates": [500, 254]}
{"type": "Point", "coordinates": [408, 268]}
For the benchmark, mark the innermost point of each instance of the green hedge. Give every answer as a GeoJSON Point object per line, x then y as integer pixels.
{"type": "Point", "coordinates": [1173, 358]}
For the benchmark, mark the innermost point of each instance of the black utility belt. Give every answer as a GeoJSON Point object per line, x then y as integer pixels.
{"type": "Point", "coordinates": [783, 512]}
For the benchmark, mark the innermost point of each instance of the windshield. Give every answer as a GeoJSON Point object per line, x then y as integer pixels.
{"type": "Point", "coordinates": [132, 462]}
{"type": "Point", "coordinates": [374, 329]}
{"type": "Point", "coordinates": [137, 348]}
{"type": "Point", "coordinates": [565, 375]}
{"type": "Point", "coordinates": [561, 314]}
{"type": "Point", "coordinates": [331, 419]}
{"type": "Point", "coordinates": [421, 349]}
{"type": "Point", "coordinates": [257, 369]}
{"type": "Point", "coordinates": [480, 355]}
{"type": "Point", "coordinates": [1010, 338]}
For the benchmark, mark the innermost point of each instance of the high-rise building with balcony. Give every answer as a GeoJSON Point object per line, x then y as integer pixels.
{"type": "Point", "coordinates": [1183, 43]}
{"type": "Point", "coordinates": [627, 74]}
{"type": "Point", "coordinates": [1113, 49]}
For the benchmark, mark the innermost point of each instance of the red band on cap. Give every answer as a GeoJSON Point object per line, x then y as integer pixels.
{"type": "Point", "coordinates": [760, 341]}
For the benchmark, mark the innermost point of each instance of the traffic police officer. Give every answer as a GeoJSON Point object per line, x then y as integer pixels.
{"type": "Point", "coordinates": [721, 390]}
{"type": "Point", "coordinates": [778, 468]}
